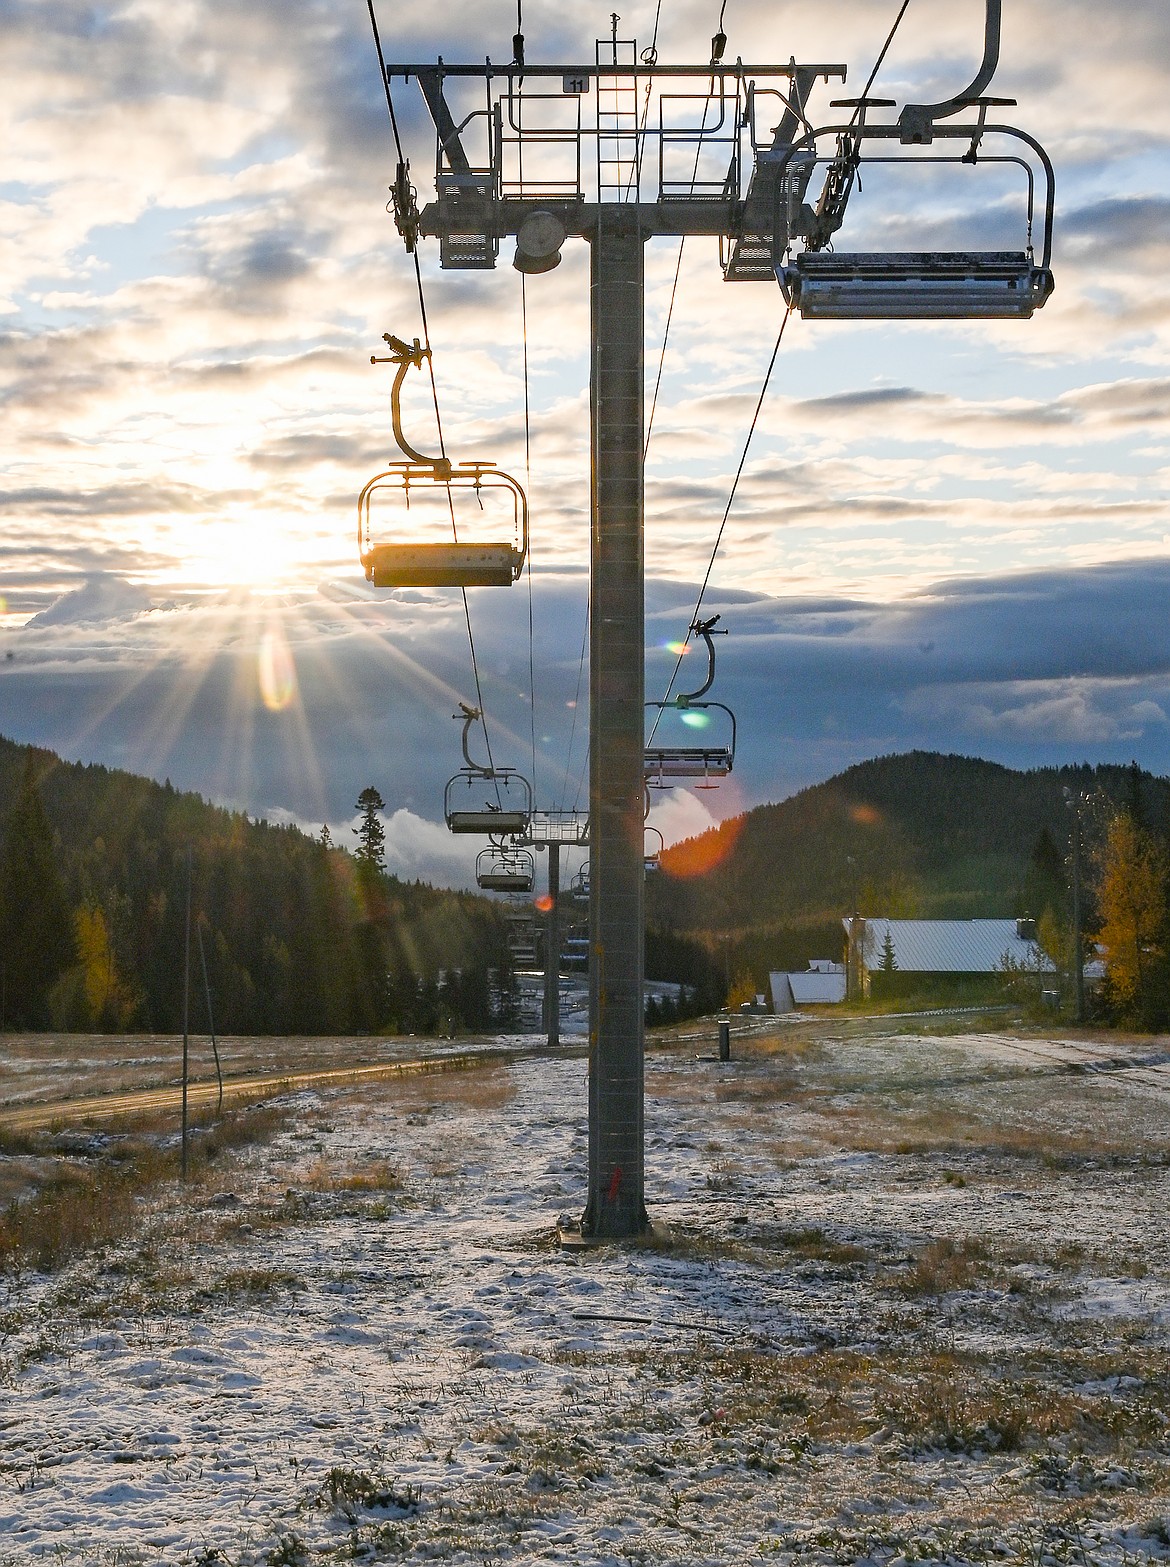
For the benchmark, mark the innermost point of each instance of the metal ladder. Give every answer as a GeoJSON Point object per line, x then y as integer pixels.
{"type": "Point", "coordinates": [619, 142]}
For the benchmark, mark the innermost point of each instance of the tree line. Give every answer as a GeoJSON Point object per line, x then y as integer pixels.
{"type": "Point", "coordinates": [299, 936]}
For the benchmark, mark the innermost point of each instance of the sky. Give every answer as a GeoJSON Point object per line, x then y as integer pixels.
{"type": "Point", "coordinates": [947, 535]}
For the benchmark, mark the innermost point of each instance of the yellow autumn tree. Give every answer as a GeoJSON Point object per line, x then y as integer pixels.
{"type": "Point", "coordinates": [108, 999]}
{"type": "Point", "coordinates": [1131, 898]}
{"type": "Point", "coordinates": [743, 988]}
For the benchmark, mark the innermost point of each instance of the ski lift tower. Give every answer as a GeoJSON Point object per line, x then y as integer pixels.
{"type": "Point", "coordinates": [617, 151]}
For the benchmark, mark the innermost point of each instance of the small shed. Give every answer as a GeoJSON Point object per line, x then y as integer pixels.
{"type": "Point", "coordinates": [822, 982]}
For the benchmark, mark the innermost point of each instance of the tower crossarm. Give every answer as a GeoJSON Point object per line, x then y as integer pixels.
{"type": "Point", "coordinates": [510, 138]}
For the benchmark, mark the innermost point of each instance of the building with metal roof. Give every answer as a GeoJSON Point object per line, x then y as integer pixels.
{"type": "Point", "coordinates": [901, 950]}
{"type": "Point", "coordinates": [822, 982]}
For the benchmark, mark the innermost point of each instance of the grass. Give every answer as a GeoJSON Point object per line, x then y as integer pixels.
{"type": "Point", "coordinates": [952, 1263]}
{"type": "Point", "coordinates": [75, 1211]}
{"type": "Point", "coordinates": [378, 1176]}
{"type": "Point", "coordinates": [348, 1492]}
{"type": "Point", "coordinates": [82, 1206]}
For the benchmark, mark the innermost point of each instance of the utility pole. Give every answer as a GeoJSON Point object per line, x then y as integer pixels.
{"type": "Point", "coordinates": [186, 1013]}
{"type": "Point", "coordinates": [552, 948]}
{"type": "Point", "coordinates": [1074, 802]}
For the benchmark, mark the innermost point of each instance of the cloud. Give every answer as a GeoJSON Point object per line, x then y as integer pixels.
{"type": "Point", "coordinates": [1064, 713]}
{"type": "Point", "coordinates": [947, 531]}
{"type": "Point", "coordinates": [1027, 668]}
{"type": "Point", "coordinates": [100, 598]}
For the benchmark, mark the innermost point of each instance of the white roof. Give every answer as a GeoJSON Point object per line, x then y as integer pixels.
{"type": "Point", "coordinates": [951, 946]}
{"type": "Point", "coordinates": [813, 985]}
{"type": "Point", "coordinates": [817, 986]}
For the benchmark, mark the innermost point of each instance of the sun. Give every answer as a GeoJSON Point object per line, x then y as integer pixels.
{"type": "Point", "coordinates": [263, 547]}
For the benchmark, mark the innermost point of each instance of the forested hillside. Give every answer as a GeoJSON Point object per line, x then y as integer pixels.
{"type": "Point", "coordinates": [918, 835]}
{"type": "Point", "coordinates": [299, 936]}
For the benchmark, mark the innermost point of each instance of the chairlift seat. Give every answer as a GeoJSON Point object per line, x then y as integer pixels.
{"type": "Point", "coordinates": [505, 881]}
{"type": "Point", "coordinates": [442, 565]}
{"type": "Point", "coordinates": [411, 500]}
{"type": "Point", "coordinates": [465, 810]}
{"type": "Point", "coordinates": [688, 761]}
{"type": "Point", "coordinates": [502, 869]}
{"type": "Point", "coordinates": [488, 821]}
{"type": "Point", "coordinates": [915, 285]}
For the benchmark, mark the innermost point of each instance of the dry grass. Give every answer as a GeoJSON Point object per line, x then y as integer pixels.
{"type": "Point", "coordinates": [948, 1405]}
{"type": "Point", "coordinates": [82, 1206]}
{"type": "Point", "coordinates": [953, 1263]}
{"type": "Point", "coordinates": [479, 1088]}
{"type": "Point", "coordinates": [76, 1211]}
{"type": "Point", "coordinates": [379, 1176]}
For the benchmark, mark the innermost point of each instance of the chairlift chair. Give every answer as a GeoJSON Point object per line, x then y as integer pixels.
{"type": "Point", "coordinates": [579, 886]}
{"type": "Point", "coordinates": [499, 869]}
{"type": "Point", "coordinates": [670, 760]}
{"type": "Point", "coordinates": [434, 487]}
{"type": "Point", "coordinates": [828, 285]}
{"type": "Point", "coordinates": [651, 856]}
{"type": "Point", "coordinates": [466, 811]}
{"type": "Point", "coordinates": [575, 952]}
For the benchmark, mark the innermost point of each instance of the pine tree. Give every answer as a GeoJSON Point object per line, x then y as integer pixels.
{"type": "Point", "coordinates": [36, 936]}
{"type": "Point", "coordinates": [888, 962]}
{"type": "Point", "coordinates": [326, 838]}
{"type": "Point", "coordinates": [371, 835]}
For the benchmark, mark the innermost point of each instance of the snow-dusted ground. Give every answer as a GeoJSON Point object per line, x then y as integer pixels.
{"type": "Point", "coordinates": [917, 1305]}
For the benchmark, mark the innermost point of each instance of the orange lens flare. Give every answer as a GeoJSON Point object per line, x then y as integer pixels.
{"type": "Point", "coordinates": [543, 904]}
{"type": "Point", "coordinates": [865, 815]}
{"type": "Point", "coordinates": [698, 856]}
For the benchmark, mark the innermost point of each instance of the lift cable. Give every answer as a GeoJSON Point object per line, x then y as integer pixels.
{"type": "Point", "coordinates": [528, 566]}
{"type": "Point", "coordinates": [518, 52]}
{"type": "Point", "coordinates": [877, 64]}
{"type": "Point", "coordinates": [727, 509]}
{"type": "Point", "coordinates": [422, 309]}
{"type": "Point", "coordinates": [718, 44]}
{"type": "Point", "coordinates": [767, 377]}
{"type": "Point", "coordinates": [649, 58]}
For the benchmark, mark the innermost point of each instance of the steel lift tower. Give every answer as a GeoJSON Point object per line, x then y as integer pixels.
{"type": "Point", "coordinates": [726, 150]}
{"type": "Point", "coordinates": [675, 152]}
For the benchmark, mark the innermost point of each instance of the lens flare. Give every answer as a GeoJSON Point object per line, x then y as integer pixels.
{"type": "Point", "coordinates": [277, 671]}
{"type": "Point", "coordinates": [677, 648]}
{"type": "Point", "coordinates": [697, 856]}
{"type": "Point", "coordinates": [865, 815]}
{"type": "Point", "coordinates": [694, 719]}
{"type": "Point", "coordinates": [543, 904]}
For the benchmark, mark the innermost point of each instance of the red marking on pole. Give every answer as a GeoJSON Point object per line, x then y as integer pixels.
{"type": "Point", "coordinates": [615, 1184]}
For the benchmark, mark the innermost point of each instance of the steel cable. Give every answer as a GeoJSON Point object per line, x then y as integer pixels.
{"type": "Point", "coordinates": [422, 309]}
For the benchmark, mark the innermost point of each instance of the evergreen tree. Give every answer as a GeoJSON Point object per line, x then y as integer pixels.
{"type": "Point", "coordinates": [371, 835]}
{"type": "Point", "coordinates": [326, 839]}
{"type": "Point", "coordinates": [888, 962]}
{"type": "Point", "coordinates": [36, 935]}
